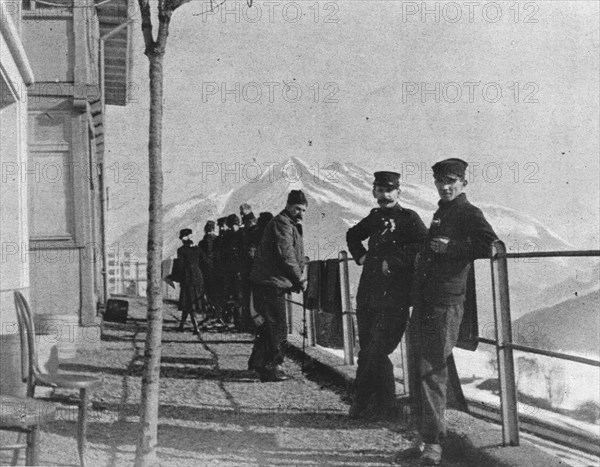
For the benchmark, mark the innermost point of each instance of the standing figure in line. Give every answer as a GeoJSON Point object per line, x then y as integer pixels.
{"type": "Point", "coordinates": [207, 246]}
{"type": "Point", "coordinates": [383, 298]}
{"type": "Point", "coordinates": [249, 226]}
{"type": "Point", "coordinates": [231, 254]}
{"type": "Point", "coordinates": [277, 269]}
{"type": "Point", "coordinates": [192, 283]}
{"type": "Point", "coordinates": [219, 266]}
{"type": "Point", "coordinates": [458, 235]}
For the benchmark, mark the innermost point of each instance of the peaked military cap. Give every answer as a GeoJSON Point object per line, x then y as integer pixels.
{"type": "Point", "coordinates": [184, 233]}
{"type": "Point", "coordinates": [452, 168]}
{"type": "Point", "coordinates": [221, 221]}
{"type": "Point", "coordinates": [232, 219]}
{"type": "Point", "coordinates": [387, 179]}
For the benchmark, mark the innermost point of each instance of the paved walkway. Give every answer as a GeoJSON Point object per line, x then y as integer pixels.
{"type": "Point", "coordinates": [213, 411]}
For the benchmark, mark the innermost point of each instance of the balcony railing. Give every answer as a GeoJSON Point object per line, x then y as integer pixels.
{"type": "Point", "coordinates": [503, 341]}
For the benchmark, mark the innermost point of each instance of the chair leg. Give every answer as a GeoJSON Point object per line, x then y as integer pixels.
{"type": "Point", "coordinates": [82, 425]}
{"type": "Point", "coordinates": [15, 458]}
{"type": "Point", "coordinates": [32, 451]}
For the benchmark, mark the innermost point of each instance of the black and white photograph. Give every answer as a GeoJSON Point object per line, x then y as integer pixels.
{"type": "Point", "coordinates": [300, 233]}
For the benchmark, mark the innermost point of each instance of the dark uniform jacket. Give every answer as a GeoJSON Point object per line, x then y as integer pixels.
{"type": "Point", "coordinates": [207, 246]}
{"type": "Point", "coordinates": [279, 261]}
{"type": "Point", "coordinates": [231, 251]}
{"type": "Point", "coordinates": [442, 278]}
{"type": "Point", "coordinates": [395, 235]}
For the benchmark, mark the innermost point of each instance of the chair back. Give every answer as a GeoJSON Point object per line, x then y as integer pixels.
{"type": "Point", "coordinates": [29, 365]}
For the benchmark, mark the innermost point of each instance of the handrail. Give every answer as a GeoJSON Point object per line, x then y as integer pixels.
{"type": "Point", "coordinates": [503, 328]}
{"type": "Point", "coordinates": [548, 254]}
{"type": "Point", "coordinates": [503, 341]}
{"type": "Point", "coordinates": [547, 353]}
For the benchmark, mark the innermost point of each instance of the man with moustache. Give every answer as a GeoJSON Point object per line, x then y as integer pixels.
{"type": "Point", "coordinates": [383, 299]}
{"type": "Point", "coordinates": [458, 235]}
{"type": "Point", "coordinates": [276, 270]}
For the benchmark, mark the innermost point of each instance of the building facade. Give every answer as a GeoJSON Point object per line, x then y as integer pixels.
{"type": "Point", "coordinates": [53, 213]}
{"type": "Point", "coordinates": [15, 76]}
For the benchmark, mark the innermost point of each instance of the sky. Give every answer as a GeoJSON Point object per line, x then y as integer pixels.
{"type": "Point", "coordinates": [510, 87]}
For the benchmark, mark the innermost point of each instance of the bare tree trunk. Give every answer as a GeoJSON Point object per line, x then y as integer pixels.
{"type": "Point", "coordinates": [145, 454]}
{"type": "Point", "coordinates": [147, 441]}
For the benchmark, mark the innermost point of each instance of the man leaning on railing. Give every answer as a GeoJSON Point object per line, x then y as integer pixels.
{"type": "Point", "coordinates": [459, 234]}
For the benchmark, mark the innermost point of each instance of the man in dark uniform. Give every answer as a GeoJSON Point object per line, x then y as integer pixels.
{"type": "Point", "coordinates": [207, 246]}
{"type": "Point", "coordinates": [383, 297]}
{"type": "Point", "coordinates": [232, 263]}
{"type": "Point", "coordinates": [246, 232]}
{"type": "Point", "coordinates": [219, 272]}
{"type": "Point", "coordinates": [192, 284]}
{"type": "Point", "coordinates": [458, 235]}
{"type": "Point", "coordinates": [277, 269]}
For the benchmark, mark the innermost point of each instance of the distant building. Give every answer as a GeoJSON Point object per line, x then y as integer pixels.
{"type": "Point", "coordinates": [126, 274]}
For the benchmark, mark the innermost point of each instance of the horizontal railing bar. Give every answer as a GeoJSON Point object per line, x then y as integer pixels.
{"type": "Point", "coordinates": [550, 254]}
{"type": "Point", "coordinates": [549, 353]}
{"type": "Point", "coordinates": [486, 341]}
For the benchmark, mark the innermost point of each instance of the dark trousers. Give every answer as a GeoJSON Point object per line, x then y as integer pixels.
{"type": "Point", "coordinates": [189, 303]}
{"type": "Point", "coordinates": [270, 304]}
{"type": "Point", "coordinates": [436, 329]}
{"type": "Point", "coordinates": [379, 333]}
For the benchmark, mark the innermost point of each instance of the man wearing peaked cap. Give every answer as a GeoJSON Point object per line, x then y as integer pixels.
{"type": "Point", "coordinates": [207, 246]}
{"type": "Point", "coordinates": [218, 270]}
{"type": "Point", "coordinates": [231, 256]}
{"type": "Point", "coordinates": [458, 235]}
{"type": "Point", "coordinates": [191, 292]}
{"type": "Point", "coordinates": [382, 303]}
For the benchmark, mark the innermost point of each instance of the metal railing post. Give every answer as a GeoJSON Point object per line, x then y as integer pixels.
{"type": "Point", "coordinates": [122, 278]}
{"type": "Point", "coordinates": [347, 312]}
{"type": "Point", "coordinates": [137, 278]}
{"type": "Point", "coordinates": [504, 353]}
{"type": "Point", "coordinates": [289, 313]}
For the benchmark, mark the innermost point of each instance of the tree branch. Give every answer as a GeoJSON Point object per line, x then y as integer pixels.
{"type": "Point", "coordinates": [164, 19]}
{"type": "Point", "coordinates": [147, 26]}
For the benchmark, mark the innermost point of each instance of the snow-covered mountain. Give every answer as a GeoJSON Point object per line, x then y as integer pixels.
{"type": "Point", "coordinates": [339, 195]}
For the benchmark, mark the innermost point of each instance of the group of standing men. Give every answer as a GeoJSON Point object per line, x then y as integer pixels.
{"type": "Point", "coordinates": [214, 275]}
{"type": "Point", "coordinates": [406, 266]}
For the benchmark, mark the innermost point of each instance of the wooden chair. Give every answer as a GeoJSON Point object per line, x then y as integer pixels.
{"type": "Point", "coordinates": [35, 377]}
{"type": "Point", "coordinates": [24, 415]}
